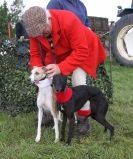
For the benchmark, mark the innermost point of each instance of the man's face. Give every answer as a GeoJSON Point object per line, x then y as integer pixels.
{"type": "Point", "coordinates": [47, 30]}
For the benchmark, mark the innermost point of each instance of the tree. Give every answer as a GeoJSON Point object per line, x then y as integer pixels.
{"type": "Point", "coordinates": [16, 11]}
{"type": "Point", "coordinates": [4, 16]}
{"type": "Point", "coordinates": [8, 18]}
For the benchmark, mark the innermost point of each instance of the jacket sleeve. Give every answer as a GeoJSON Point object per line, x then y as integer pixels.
{"type": "Point", "coordinates": [35, 57]}
{"type": "Point", "coordinates": [54, 4]}
{"type": "Point", "coordinates": [75, 33]}
{"type": "Point", "coordinates": [84, 10]}
{"type": "Point", "coordinates": [87, 21]}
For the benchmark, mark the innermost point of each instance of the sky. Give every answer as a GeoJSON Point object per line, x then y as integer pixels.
{"type": "Point", "coordinates": [97, 8]}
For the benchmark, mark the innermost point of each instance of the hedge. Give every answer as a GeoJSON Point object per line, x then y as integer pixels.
{"type": "Point", "coordinates": [17, 94]}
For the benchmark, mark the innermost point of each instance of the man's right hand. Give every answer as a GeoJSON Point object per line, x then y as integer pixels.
{"type": "Point", "coordinates": [52, 69]}
{"type": "Point", "coordinates": [21, 38]}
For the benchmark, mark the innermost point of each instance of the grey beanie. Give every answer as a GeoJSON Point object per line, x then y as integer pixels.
{"type": "Point", "coordinates": [34, 20]}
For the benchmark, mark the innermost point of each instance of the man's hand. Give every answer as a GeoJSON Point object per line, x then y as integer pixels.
{"type": "Point", "coordinates": [52, 69]}
{"type": "Point", "coordinates": [21, 38]}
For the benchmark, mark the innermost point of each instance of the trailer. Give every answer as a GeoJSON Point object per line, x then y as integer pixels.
{"type": "Point", "coordinates": [101, 27]}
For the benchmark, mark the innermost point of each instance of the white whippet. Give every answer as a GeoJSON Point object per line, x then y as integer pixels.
{"type": "Point", "coordinates": [45, 99]}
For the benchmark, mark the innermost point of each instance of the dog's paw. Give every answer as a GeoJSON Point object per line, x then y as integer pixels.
{"type": "Point", "coordinates": [37, 139]}
{"type": "Point", "coordinates": [56, 140]}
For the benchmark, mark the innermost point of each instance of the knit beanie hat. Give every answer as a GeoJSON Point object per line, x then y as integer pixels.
{"type": "Point", "coordinates": [34, 20]}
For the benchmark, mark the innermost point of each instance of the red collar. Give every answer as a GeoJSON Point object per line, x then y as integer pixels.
{"type": "Point", "coordinates": [63, 97]}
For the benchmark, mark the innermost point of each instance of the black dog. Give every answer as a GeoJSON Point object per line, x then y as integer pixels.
{"type": "Point", "coordinates": [72, 99]}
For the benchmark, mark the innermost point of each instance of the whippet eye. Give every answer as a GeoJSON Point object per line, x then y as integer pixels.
{"type": "Point", "coordinates": [36, 73]}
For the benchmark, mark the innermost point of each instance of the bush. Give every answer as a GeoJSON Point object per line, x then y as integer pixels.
{"type": "Point", "coordinates": [17, 94]}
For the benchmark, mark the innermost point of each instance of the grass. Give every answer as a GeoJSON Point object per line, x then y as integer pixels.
{"type": "Point", "coordinates": [17, 134]}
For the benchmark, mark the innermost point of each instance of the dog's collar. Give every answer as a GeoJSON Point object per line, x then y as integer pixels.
{"type": "Point", "coordinates": [43, 78]}
{"type": "Point", "coordinates": [65, 96]}
{"type": "Point", "coordinates": [44, 83]}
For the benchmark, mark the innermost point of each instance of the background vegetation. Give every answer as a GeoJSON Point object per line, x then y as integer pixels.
{"type": "Point", "coordinates": [9, 17]}
{"type": "Point", "coordinates": [16, 92]}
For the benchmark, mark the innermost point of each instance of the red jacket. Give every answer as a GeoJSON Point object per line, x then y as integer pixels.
{"type": "Point", "coordinates": [74, 45]}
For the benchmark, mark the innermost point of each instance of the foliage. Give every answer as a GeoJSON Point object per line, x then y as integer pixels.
{"type": "Point", "coordinates": [16, 11]}
{"type": "Point", "coordinates": [17, 94]}
{"type": "Point", "coordinates": [4, 16]}
{"type": "Point", "coordinates": [9, 17]}
{"type": "Point", "coordinates": [103, 82]}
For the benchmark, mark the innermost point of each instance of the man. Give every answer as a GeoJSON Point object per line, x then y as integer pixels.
{"type": "Point", "coordinates": [75, 6]}
{"type": "Point", "coordinates": [22, 39]}
{"type": "Point", "coordinates": [69, 48]}
{"type": "Point", "coordinates": [20, 31]}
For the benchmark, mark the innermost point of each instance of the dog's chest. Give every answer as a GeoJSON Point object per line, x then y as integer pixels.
{"type": "Point", "coordinates": [45, 97]}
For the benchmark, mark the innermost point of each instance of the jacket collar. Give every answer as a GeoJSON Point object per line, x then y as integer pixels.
{"type": "Point", "coordinates": [55, 28]}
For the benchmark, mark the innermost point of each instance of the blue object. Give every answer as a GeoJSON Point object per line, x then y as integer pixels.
{"type": "Point", "coordinates": [22, 49]}
{"type": "Point", "coordinates": [75, 6]}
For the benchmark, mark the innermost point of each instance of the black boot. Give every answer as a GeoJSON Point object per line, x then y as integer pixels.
{"type": "Point", "coordinates": [47, 119]}
{"type": "Point", "coordinates": [82, 127]}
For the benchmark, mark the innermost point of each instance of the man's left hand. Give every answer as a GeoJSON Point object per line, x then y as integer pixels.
{"type": "Point", "coordinates": [52, 69]}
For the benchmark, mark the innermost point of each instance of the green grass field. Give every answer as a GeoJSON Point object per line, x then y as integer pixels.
{"type": "Point", "coordinates": [17, 134]}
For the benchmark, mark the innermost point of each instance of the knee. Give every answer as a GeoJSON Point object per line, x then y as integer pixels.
{"type": "Point", "coordinates": [78, 77]}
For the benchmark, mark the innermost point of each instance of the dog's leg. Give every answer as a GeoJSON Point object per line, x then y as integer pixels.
{"type": "Point", "coordinates": [60, 116]}
{"type": "Point", "coordinates": [40, 114]}
{"type": "Point", "coordinates": [106, 124]}
{"type": "Point", "coordinates": [56, 126]}
{"type": "Point", "coordinates": [71, 129]}
{"type": "Point", "coordinates": [56, 123]}
{"type": "Point", "coordinates": [63, 127]}
{"type": "Point", "coordinates": [76, 120]}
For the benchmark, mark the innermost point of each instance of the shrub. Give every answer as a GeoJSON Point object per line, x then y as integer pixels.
{"type": "Point", "coordinates": [17, 94]}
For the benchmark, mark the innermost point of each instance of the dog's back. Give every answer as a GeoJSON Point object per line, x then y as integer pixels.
{"type": "Point", "coordinates": [86, 91]}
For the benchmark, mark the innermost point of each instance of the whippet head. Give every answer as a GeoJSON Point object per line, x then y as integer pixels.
{"type": "Point", "coordinates": [38, 74]}
{"type": "Point", "coordinates": [59, 82]}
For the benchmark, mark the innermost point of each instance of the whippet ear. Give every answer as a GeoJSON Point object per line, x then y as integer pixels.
{"type": "Point", "coordinates": [43, 68]}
